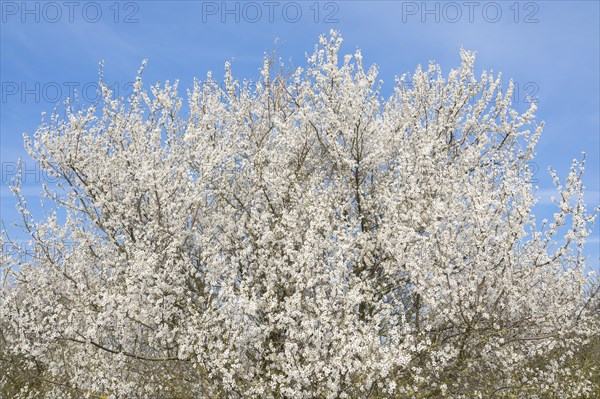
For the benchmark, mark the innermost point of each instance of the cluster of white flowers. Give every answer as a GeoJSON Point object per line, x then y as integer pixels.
{"type": "Point", "coordinates": [303, 239]}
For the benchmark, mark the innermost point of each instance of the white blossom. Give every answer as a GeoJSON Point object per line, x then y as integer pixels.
{"type": "Point", "coordinates": [306, 238]}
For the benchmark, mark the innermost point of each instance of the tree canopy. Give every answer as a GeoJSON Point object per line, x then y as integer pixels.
{"type": "Point", "coordinates": [300, 237]}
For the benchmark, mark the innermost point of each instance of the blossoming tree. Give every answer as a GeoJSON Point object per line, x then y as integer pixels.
{"type": "Point", "coordinates": [300, 238]}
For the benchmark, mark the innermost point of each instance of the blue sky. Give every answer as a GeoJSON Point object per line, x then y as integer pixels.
{"type": "Point", "coordinates": [550, 49]}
